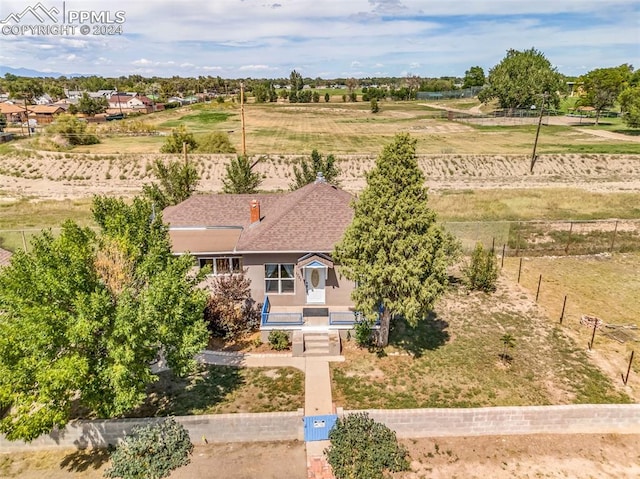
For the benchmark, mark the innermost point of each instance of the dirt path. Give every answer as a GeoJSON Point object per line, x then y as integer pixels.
{"type": "Point", "coordinates": [495, 457]}
{"type": "Point", "coordinates": [552, 120]}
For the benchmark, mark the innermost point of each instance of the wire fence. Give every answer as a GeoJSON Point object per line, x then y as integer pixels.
{"type": "Point", "coordinates": [449, 94]}
{"type": "Point", "coordinates": [549, 238]}
{"type": "Point", "coordinates": [516, 238]}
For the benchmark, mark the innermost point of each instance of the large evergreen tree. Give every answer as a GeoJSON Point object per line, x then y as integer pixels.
{"type": "Point", "coordinates": [85, 314]}
{"type": "Point", "coordinates": [394, 249]}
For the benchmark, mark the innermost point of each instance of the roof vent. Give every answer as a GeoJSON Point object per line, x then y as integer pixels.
{"type": "Point", "coordinates": [320, 177]}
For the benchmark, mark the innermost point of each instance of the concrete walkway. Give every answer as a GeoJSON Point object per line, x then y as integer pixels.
{"type": "Point", "coordinates": [317, 391]}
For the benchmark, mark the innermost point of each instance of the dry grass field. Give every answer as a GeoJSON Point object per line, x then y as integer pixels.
{"type": "Point", "coordinates": [475, 172]}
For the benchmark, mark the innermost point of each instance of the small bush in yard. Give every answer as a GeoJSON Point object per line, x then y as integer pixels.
{"type": "Point", "coordinates": [362, 448]}
{"type": "Point", "coordinates": [278, 340]}
{"type": "Point", "coordinates": [151, 452]}
{"type": "Point", "coordinates": [363, 333]}
{"type": "Point", "coordinates": [482, 271]}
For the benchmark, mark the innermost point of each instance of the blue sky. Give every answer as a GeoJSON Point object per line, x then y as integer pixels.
{"type": "Point", "coordinates": [326, 38]}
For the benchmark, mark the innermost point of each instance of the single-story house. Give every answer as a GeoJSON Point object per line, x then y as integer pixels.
{"type": "Point", "coordinates": [284, 243]}
{"type": "Point", "coordinates": [130, 104]}
{"type": "Point", "coordinates": [45, 114]}
{"type": "Point", "coordinates": [13, 113]}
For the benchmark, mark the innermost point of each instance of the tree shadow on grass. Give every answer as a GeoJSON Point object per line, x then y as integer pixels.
{"type": "Point", "coordinates": [429, 334]}
{"type": "Point", "coordinates": [83, 459]}
{"type": "Point", "coordinates": [198, 393]}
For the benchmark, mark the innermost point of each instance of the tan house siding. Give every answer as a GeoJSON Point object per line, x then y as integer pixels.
{"type": "Point", "coordinates": [337, 289]}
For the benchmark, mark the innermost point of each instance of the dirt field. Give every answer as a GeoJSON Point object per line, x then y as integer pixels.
{"type": "Point", "coordinates": [495, 457]}
{"type": "Point", "coordinates": [72, 175]}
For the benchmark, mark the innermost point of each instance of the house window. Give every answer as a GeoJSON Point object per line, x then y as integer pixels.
{"type": "Point", "coordinates": [279, 278]}
{"type": "Point", "coordinates": [222, 264]}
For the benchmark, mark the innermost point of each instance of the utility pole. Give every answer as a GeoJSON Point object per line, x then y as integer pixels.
{"type": "Point", "coordinates": [244, 141]}
{"type": "Point", "coordinates": [26, 115]}
{"type": "Point", "coordinates": [535, 143]}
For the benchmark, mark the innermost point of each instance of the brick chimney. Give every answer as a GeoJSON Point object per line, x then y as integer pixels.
{"type": "Point", "coordinates": [255, 211]}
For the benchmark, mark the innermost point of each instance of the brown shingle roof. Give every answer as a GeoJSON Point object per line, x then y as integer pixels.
{"type": "Point", "coordinates": [5, 257]}
{"type": "Point", "coordinates": [47, 109]}
{"type": "Point", "coordinates": [9, 108]}
{"type": "Point", "coordinates": [312, 218]}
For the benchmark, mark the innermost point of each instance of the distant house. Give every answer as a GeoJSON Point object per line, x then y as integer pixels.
{"type": "Point", "coordinates": [5, 257]}
{"type": "Point", "coordinates": [13, 113]}
{"type": "Point", "coordinates": [43, 100]}
{"type": "Point", "coordinates": [284, 242]}
{"type": "Point", "coordinates": [45, 114]}
{"type": "Point", "coordinates": [130, 104]}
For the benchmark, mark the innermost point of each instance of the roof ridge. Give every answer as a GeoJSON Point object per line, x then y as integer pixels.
{"type": "Point", "coordinates": [292, 199]}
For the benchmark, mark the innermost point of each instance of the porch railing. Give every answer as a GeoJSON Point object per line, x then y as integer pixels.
{"type": "Point", "coordinates": [338, 318]}
{"type": "Point", "coordinates": [278, 319]}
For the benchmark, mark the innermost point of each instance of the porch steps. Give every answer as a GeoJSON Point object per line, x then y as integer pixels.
{"type": "Point", "coordinates": [321, 344]}
{"type": "Point", "coordinates": [316, 344]}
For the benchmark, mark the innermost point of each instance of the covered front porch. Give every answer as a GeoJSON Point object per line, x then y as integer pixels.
{"type": "Point", "coordinates": [308, 317]}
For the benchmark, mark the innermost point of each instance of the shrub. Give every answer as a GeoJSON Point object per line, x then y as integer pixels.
{"type": "Point", "coordinates": [374, 106]}
{"type": "Point", "coordinates": [72, 130]}
{"type": "Point", "coordinates": [363, 333]}
{"type": "Point", "coordinates": [364, 449]}
{"type": "Point", "coordinates": [279, 340]}
{"type": "Point", "coordinates": [173, 143]}
{"type": "Point", "coordinates": [482, 271]}
{"type": "Point", "coordinates": [231, 312]}
{"type": "Point", "coordinates": [216, 142]}
{"type": "Point", "coordinates": [309, 168]}
{"type": "Point", "coordinates": [151, 452]}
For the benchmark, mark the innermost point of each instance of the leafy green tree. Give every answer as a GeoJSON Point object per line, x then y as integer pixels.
{"type": "Point", "coordinates": [216, 142]}
{"type": "Point", "coordinates": [3, 122]}
{"type": "Point", "coordinates": [327, 97]}
{"type": "Point", "coordinates": [178, 181]}
{"type": "Point", "coordinates": [239, 177]}
{"type": "Point", "coordinates": [482, 271]}
{"type": "Point", "coordinates": [394, 249]}
{"type": "Point", "coordinates": [85, 314]}
{"type": "Point", "coordinates": [27, 89]}
{"type": "Point", "coordinates": [316, 97]}
{"type": "Point", "coordinates": [630, 106]}
{"type": "Point", "coordinates": [174, 142]}
{"type": "Point", "coordinates": [602, 86]}
{"type": "Point", "coordinates": [151, 452]}
{"type": "Point", "coordinates": [362, 448]}
{"type": "Point", "coordinates": [309, 168]}
{"type": "Point", "coordinates": [91, 106]}
{"type": "Point", "coordinates": [521, 79]}
{"type": "Point", "coordinates": [474, 76]}
{"type": "Point", "coordinates": [72, 130]}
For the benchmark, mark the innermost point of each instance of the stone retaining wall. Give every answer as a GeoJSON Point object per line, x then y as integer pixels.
{"type": "Point", "coordinates": [574, 419]}
{"type": "Point", "coordinates": [277, 426]}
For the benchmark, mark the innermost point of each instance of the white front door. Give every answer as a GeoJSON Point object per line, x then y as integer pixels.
{"type": "Point", "coordinates": [315, 279]}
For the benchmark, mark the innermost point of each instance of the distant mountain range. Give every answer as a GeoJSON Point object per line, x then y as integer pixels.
{"type": "Point", "coordinates": [26, 72]}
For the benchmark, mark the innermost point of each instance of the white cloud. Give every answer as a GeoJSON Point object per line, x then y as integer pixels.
{"type": "Point", "coordinates": [254, 67]}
